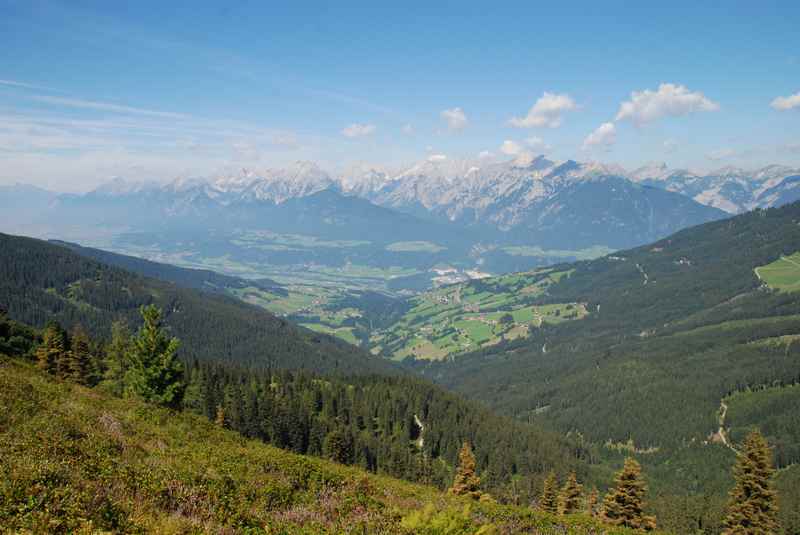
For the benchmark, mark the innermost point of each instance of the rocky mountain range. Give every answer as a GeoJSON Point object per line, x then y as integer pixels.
{"type": "Point", "coordinates": [565, 205]}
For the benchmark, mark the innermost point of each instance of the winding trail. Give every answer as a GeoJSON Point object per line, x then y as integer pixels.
{"type": "Point", "coordinates": [644, 274]}
{"type": "Point", "coordinates": [721, 434]}
{"type": "Point", "coordinates": [421, 439]}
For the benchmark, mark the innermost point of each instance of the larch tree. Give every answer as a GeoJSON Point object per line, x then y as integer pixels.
{"type": "Point", "coordinates": [154, 374]}
{"type": "Point", "coordinates": [548, 501]}
{"type": "Point", "coordinates": [569, 501]}
{"type": "Point", "coordinates": [753, 506]}
{"type": "Point", "coordinates": [624, 504]}
{"type": "Point", "coordinates": [466, 481]}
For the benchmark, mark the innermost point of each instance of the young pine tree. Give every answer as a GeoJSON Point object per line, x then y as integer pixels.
{"type": "Point", "coordinates": [116, 364]}
{"type": "Point", "coordinates": [624, 504]}
{"type": "Point", "coordinates": [753, 507]}
{"type": "Point", "coordinates": [78, 360]}
{"type": "Point", "coordinates": [569, 501]}
{"type": "Point", "coordinates": [591, 503]}
{"type": "Point", "coordinates": [466, 481]}
{"type": "Point", "coordinates": [52, 349]}
{"type": "Point", "coordinates": [154, 372]}
{"type": "Point", "coordinates": [548, 501]}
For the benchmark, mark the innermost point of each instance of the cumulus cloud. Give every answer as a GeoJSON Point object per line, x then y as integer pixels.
{"type": "Point", "coordinates": [547, 111]}
{"type": "Point", "coordinates": [485, 154]}
{"type": "Point", "coordinates": [786, 103]}
{"type": "Point", "coordinates": [437, 157]}
{"type": "Point", "coordinates": [537, 144]}
{"type": "Point", "coordinates": [510, 147]}
{"type": "Point", "coordinates": [455, 118]}
{"type": "Point", "coordinates": [603, 137]}
{"type": "Point", "coordinates": [669, 100]}
{"type": "Point", "coordinates": [358, 130]}
{"type": "Point", "coordinates": [526, 147]}
{"type": "Point", "coordinates": [720, 154]}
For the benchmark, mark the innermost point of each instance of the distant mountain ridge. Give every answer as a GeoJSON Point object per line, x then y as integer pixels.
{"type": "Point", "coordinates": [731, 189]}
{"type": "Point", "coordinates": [567, 205]}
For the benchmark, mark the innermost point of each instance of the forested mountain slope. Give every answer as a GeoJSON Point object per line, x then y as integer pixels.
{"type": "Point", "coordinates": [199, 279]}
{"type": "Point", "coordinates": [674, 329]}
{"type": "Point", "coordinates": [40, 281]}
{"type": "Point", "coordinates": [661, 318]}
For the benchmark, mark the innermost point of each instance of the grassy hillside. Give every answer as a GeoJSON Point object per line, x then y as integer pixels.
{"type": "Point", "coordinates": [75, 461]}
{"type": "Point", "coordinates": [40, 281]}
{"type": "Point", "coordinates": [782, 274]}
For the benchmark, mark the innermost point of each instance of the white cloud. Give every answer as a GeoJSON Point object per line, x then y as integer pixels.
{"type": "Point", "coordinates": [720, 154]}
{"type": "Point", "coordinates": [510, 147]}
{"type": "Point", "coordinates": [670, 146]}
{"type": "Point", "coordinates": [456, 118]}
{"type": "Point", "coordinates": [526, 147]}
{"type": "Point", "coordinates": [669, 100]}
{"type": "Point", "coordinates": [603, 137]}
{"type": "Point", "coordinates": [358, 130]}
{"type": "Point", "coordinates": [437, 157]}
{"type": "Point", "coordinates": [547, 111]}
{"type": "Point", "coordinates": [485, 154]}
{"type": "Point", "coordinates": [408, 130]}
{"type": "Point", "coordinates": [537, 144]}
{"type": "Point", "coordinates": [106, 106]}
{"type": "Point", "coordinates": [786, 103]}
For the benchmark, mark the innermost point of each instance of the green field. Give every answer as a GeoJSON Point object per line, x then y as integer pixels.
{"type": "Point", "coordinates": [414, 247]}
{"type": "Point", "coordinates": [470, 315]}
{"type": "Point", "coordinates": [582, 254]}
{"type": "Point", "coordinates": [782, 274]}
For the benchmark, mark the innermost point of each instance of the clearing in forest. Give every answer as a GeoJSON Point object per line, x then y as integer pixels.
{"type": "Point", "coordinates": [782, 274]}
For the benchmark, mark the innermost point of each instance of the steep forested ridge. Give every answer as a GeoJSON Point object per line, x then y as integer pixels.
{"type": "Point", "coordinates": [671, 327]}
{"type": "Point", "coordinates": [200, 279]}
{"type": "Point", "coordinates": [674, 329]}
{"type": "Point", "coordinates": [40, 281]}
{"type": "Point", "coordinates": [394, 425]}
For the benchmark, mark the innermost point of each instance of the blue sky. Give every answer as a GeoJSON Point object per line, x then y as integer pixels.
{"type": "Point", "coordinates": [152, 90]}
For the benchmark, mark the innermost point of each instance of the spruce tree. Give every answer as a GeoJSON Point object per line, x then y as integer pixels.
{"type": "Point", "coordinates": [338, 446]}
{"type": "Point", "coordinates": [466, 481]}
{"type": "Point", "coordinates": [77, 361]}
{"type": "Point", "coordinates": [220, 418]}
{"type": "Point", "coordinates": [116, 358]}
{"type": "Point", "coordinates": [154, 374]}
{"type": "Point", "coordinates": [624, 504]}
{"type": "Point", "coordinates": [548, 501]}
{"type": "Point", "coordinates": [753, 506]}
{"type": "Point", "coordinates": [569, 501]}
{"type": "Point", "coordinates": [51, 351]}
